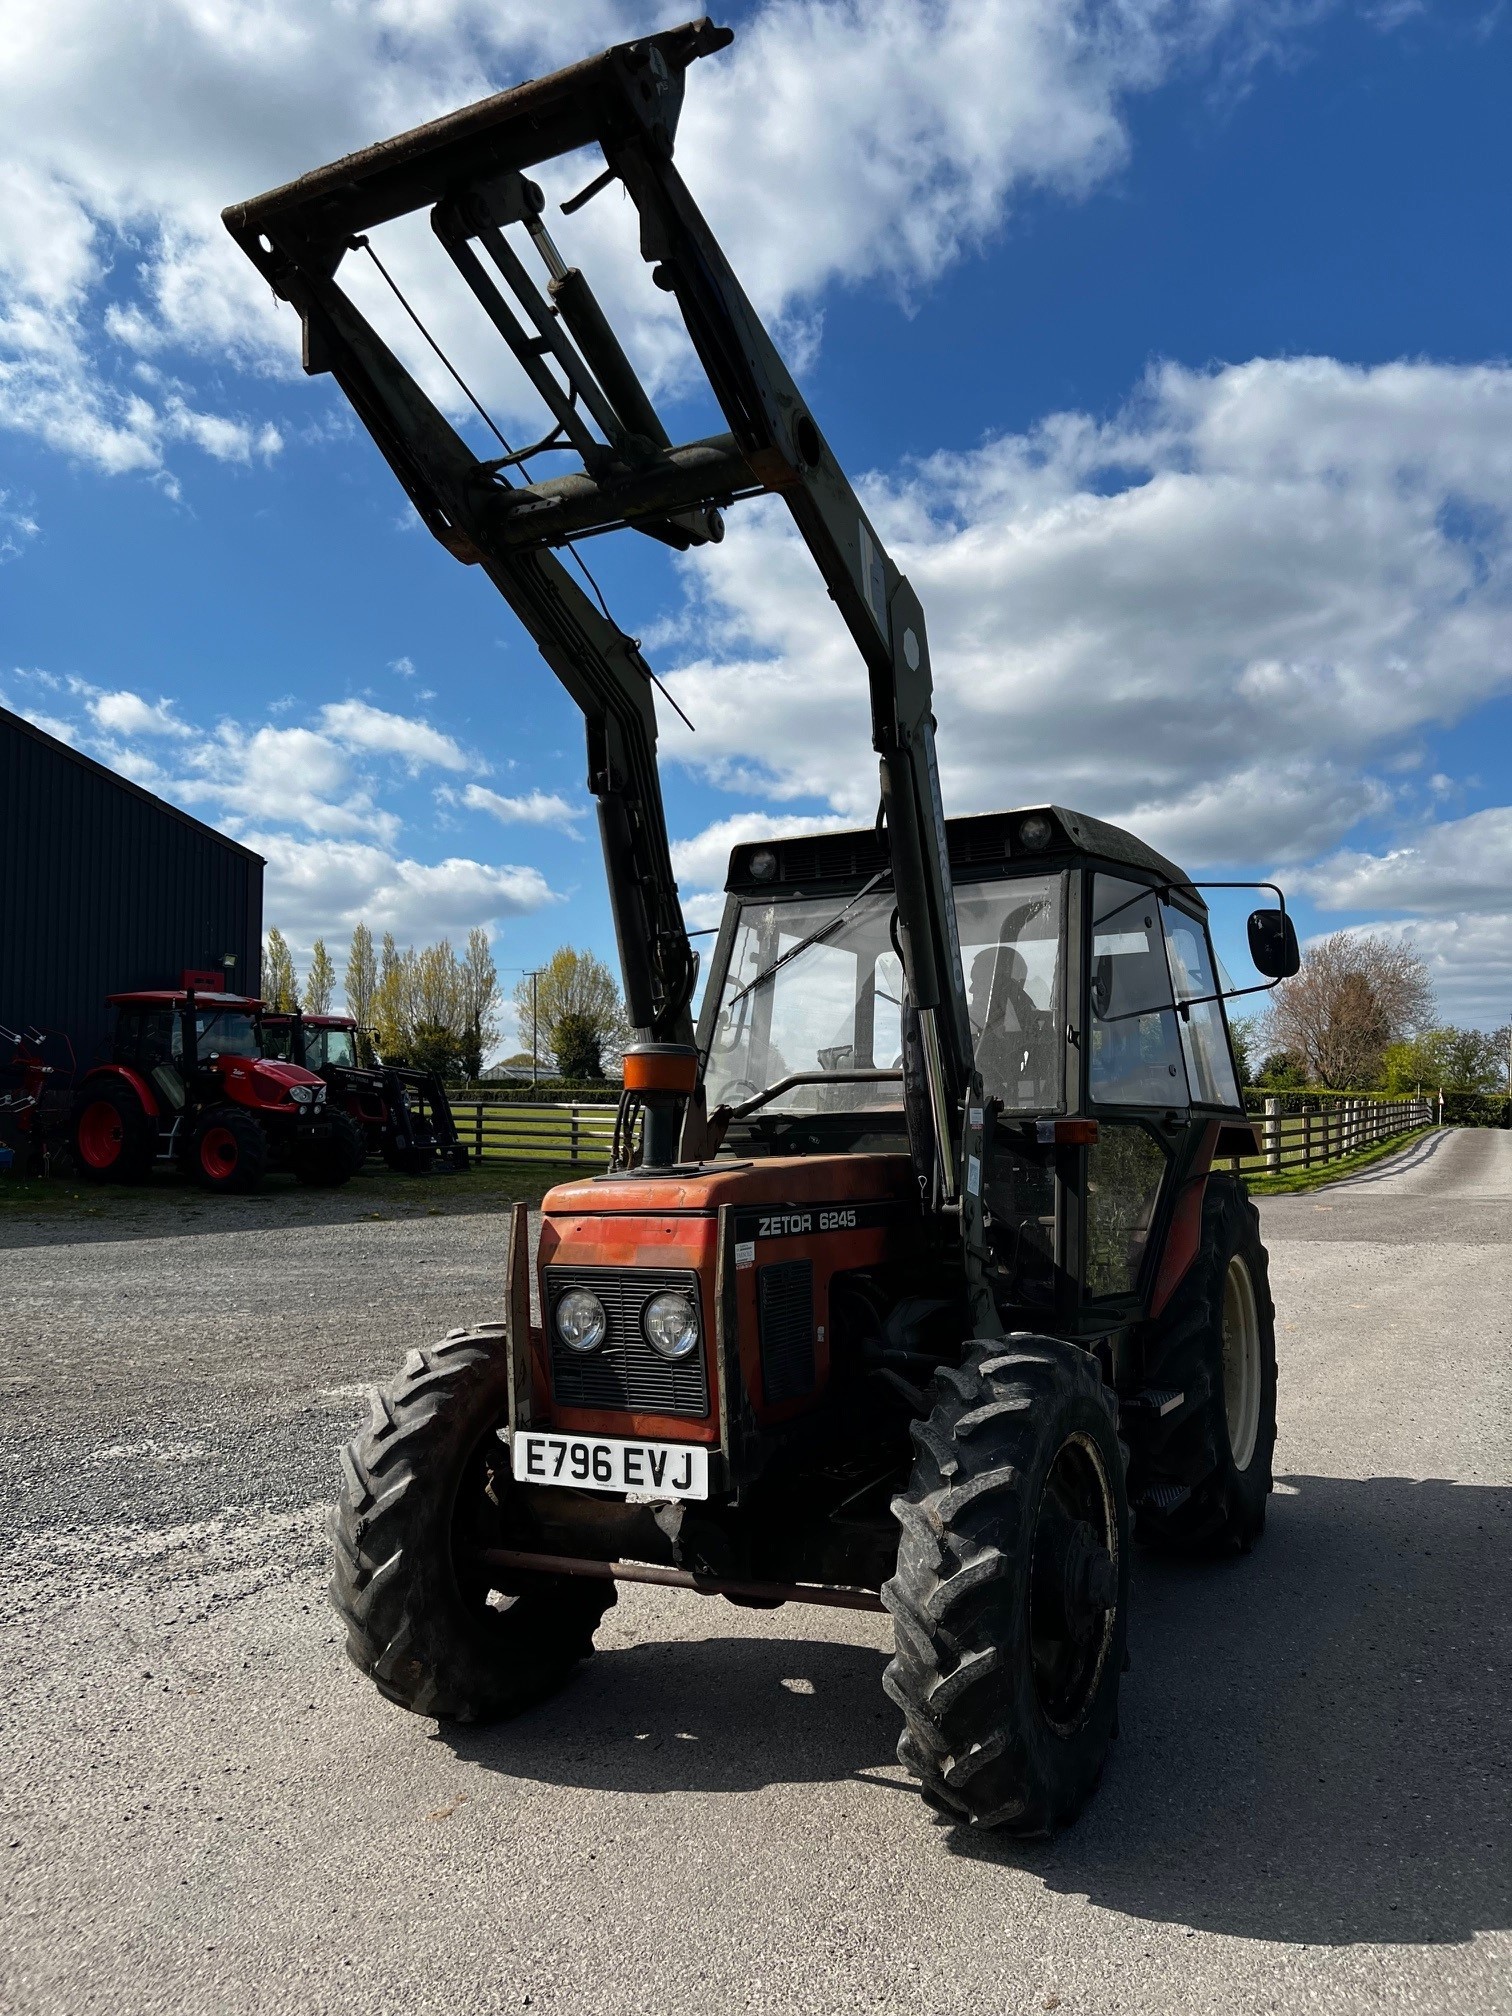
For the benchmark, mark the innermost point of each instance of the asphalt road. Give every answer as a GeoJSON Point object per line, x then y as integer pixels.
{"type": "Point", "coordinates": [206, 1809]}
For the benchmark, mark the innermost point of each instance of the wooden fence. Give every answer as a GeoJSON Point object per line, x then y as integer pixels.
{"type": "Point", "coordinates": [1344, 1124]}
{"type": "Point", "coordinates": [1327, 1131]}
{"type": "Point", "coordinates": [494, 1130]}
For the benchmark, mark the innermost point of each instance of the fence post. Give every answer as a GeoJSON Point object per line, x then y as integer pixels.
{"type": "Point", "coordinates": [478, 1131]}
{"type": "Point", "coordinates": [574, 1131]}
{"type": "Point", "coordinates": [1273, 1135]}
{"type": "Point", "coordinates": [1307, 1120]}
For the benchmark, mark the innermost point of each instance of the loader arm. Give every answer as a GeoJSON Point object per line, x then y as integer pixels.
{"type": "Point", "coordinates": [469, 171]}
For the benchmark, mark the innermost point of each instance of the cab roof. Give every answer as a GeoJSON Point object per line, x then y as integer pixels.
{"type": "Point", "coordinates": [177, 997]}
{"type": "Point", "coordinates": [280, 1016]}
{"type": "Point", "coordinates": [990, 843]}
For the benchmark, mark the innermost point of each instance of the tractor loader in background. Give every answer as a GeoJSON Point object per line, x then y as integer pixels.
{"type": "Point", "coordinates": [925, 1269]}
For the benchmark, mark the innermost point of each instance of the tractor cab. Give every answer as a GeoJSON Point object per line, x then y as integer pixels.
{"type": "Point", "coordinates": [320, 1043]}
{"type": "Point", "coordinates": [1097, 1020]}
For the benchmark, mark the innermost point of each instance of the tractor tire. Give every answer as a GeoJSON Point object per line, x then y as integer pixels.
{"type": "Point", "coordinates": [426, 1482]}
{"type": "Point", "coordinates": [113, 1140]}
{"type": "Point", "coordinates": [1203, 1471]}
{"type": "Point", "coordinates": [327, 1164]}
{"type": "Point", "coordinates": [228, 1151]}
{"type": "Point", "coordinates": [1010, 1597]}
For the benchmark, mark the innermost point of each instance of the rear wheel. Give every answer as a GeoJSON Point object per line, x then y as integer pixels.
{"type": "Point", "coordinates": [112, 1137]}
{"type": "Point", "coordinates": [228, 1151]}
{"type": "Point", "coordinates": [1011, 1588]}
{"type": "Point", "coordinates": [334, 1159]}
{"type": "Point", "coordinates": [427, 1484]}
{"type": "Point", "coordinates": [1203, 1469]}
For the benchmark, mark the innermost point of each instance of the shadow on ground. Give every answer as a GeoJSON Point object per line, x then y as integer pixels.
{"type": "Point", "coordinates": [1315, 1743]}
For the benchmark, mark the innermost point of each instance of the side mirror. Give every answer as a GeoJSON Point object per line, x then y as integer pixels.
{"type": "Point", "coordinates": [1273, 944]}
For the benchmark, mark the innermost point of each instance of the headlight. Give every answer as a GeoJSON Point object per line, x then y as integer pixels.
{"type": "Point", "coordinates": [302, 1095]}
{"type": "Point", "coordinates": [580, 1320]}
{"type": "Point", "coordinates": [671, 1325]}
{"type": "Point", "coordinates": [1035, 832]}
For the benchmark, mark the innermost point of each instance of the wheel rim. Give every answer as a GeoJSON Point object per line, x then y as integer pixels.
{"type": "Point", "coordinates": [1074, 1581]}
{"type": "Point", "coordinates": [218, 1151]}
{"type": "Point", "coordinates": [1241, 1362]}
{"type": "Point", "coordinates": [101, 1134]}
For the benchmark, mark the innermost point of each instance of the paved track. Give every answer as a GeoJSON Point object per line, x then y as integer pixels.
{"type": "Point", "coordinates": [205, 1808]}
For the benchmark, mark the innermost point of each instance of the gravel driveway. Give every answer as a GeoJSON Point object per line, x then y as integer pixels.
{"type": "Point", "coordinates": [206, 1809]}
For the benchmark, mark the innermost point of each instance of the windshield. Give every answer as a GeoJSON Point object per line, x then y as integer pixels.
{"type": "Point", "coordinates": [332, 1046]}
{"type": "Point", "coordinates": [225, 1032]}
{"type": "Point", "coordinates": [836, 1005]}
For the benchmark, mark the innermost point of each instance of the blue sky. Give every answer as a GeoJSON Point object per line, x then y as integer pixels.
{"type": "Point", "coordinates": [1170, 342]}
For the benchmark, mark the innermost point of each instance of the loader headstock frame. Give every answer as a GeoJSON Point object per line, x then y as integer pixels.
{"type": "Point", "coordinates": [470, 172]}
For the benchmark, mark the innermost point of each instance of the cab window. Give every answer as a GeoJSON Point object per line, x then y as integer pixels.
{"type": "Point", "coordinates": [1136, 1054]}
{"type": "Point", "coordinates": [225, 1032]}
{"type": "Point", "coordinates": [338, 1048]}
{"type": "Point", "coordinates": [278, 1042]}
{"type": "Point", "coordinates": [1204, 1039]}
{"type": "Point", "coordinates": [1011, 955]}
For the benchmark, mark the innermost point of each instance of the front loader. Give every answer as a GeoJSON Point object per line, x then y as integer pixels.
{"type": "Point", "coordinates": [917, 1263]}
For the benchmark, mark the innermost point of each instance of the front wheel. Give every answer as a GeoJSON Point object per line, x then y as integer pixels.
{"type": "Point", "coordinates": [1010, 1596]}
{"type": "Point", "coordinates": [333, 1159]}
{"type": "Point", "coordinates": [228, 1151]}
{"type": "Point", "coordinates": [427, 1484]}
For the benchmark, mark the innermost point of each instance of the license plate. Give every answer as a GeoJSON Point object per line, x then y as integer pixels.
{"type": "Point", "coordinates": [602, 1463]}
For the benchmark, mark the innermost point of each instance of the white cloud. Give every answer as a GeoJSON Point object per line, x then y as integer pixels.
{"type": "Point", "coordinates": [126, 713]}
{"type": "Point", "coordinates": [1456, 867]}
{"type": "Point", "coordinates": [316, 887]}
{"type": "Point", "coordinates": [358, 726]}
{"type": "Point", "coordinates": [890, 138]}
{"type": "Point", "coordinates": [703, 860]}
{"type": "Point", "coordinates": [1226, 616]}
{"type": "Point", "coordinates": [1469, 959]}
{"type": "Point", "coordinates": [16, 528]}
{"type": "Point", "coordinates": [533, 808]}
{"type": "Point", "coordinates": [292, 775]}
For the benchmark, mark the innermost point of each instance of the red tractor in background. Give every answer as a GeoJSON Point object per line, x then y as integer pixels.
{"type": "Point", "coordinates": [401, 1113]}
{"type": "Point", "coordinates": [188, 1085]}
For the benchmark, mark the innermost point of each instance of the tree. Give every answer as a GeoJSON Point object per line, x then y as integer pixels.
{"type": "Point", "coordinates": [480, 999]}
{"type": "Point", "coordinates": [1245, 1032]}
{"type": "Point", "coordinates": [578, 1048]}
{"type": "Point", "coordinates": [361, 977]}
{"type": "Point", "coordinates": [1355, 995]}
{"type": "Point", "coordinates": [1466, 1060]}
{"type": "Point", "coordinates": [280, 983]}
{"type": "Point", "coordinates": [391, 1001]}
{"type": "Point", "coordinates": [571, 983]}
{"type": "Point", "coordinates": [1281, 1072]}
{"type": "Point", "coordinates": [320, 981]}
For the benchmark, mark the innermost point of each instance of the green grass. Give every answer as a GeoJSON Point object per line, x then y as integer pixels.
{"type": "Point", "coordinates": [1294, 1182]}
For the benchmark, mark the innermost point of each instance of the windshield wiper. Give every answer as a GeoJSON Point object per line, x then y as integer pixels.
{"type": "Point", "coordinates": [814, 938]}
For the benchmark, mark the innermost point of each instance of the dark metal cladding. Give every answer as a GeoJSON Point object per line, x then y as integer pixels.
{"type": "Point", "coordinates": [106, 889]}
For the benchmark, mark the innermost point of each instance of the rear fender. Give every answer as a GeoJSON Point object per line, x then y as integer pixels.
{"type": "Point", "coordinates": [123, 1074]}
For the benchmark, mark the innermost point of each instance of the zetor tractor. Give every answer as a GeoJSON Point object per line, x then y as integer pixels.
{"type": "Point", "coordinates": [188, 1085]}
{"type": "Point", "coordinates": [917, 1271]}
{"type": "Point", "coordinates": [401, 1114]}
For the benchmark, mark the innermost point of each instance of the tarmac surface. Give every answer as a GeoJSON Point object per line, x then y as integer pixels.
{"type": "Point", "coordinates": [203, 1807]}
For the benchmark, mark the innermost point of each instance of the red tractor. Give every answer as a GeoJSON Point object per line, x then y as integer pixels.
{"type": "Point", "coordinates": [188, 1085]}
{"type": "Point", "coordinates": [400, 1113]}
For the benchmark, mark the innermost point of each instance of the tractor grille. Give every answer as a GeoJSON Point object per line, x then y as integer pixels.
{"type": "Point", "coordinates": [625, 1374]}
{"type": "Point", "coordinates": [785, 1312]}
